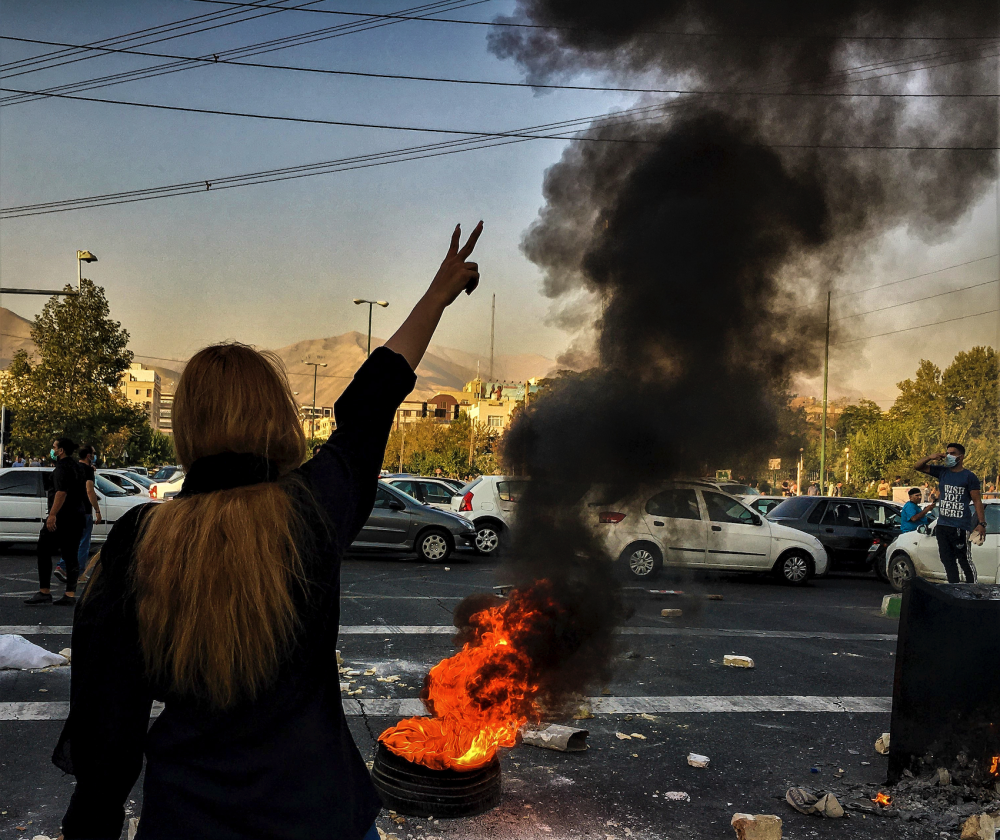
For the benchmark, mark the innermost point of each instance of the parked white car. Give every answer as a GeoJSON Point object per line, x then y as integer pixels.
{"type": "Point", "coordinates": [916, 553]}
{"type": "Point", "coordinates": [132, 483]}
{"type": "Point", "coordinates": [693, 525]}
{"type": "Point", "coordinates": [430, 491]}
{"type": "Point", "coordinates": [24, 504]}
{"type": "Point", "coordinates": [490, 503]}
{"type": "Point", "coordinates": [168, 488]}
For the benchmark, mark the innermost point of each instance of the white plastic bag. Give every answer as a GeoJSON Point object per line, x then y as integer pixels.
{"type": "Point", "coordinates": [18, 653]}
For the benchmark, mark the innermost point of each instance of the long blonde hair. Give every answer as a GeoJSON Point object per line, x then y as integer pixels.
{"type": "Point", "coordinates": [215, 573]}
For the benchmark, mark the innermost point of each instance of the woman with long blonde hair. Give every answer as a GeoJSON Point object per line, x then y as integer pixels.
{"type": "Point", "coordinates": [224, 605]}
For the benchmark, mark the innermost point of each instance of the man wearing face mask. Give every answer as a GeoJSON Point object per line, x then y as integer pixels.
{"type": "Point", "coordinates": [959, 490]}
{"type": "Point", "coordinates": [63, 527]}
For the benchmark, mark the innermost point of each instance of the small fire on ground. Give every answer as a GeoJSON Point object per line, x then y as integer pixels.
{"type": "Point", "coordinates": [481, 697]}
{"type": "Point", "coordinates": [882, 799]}
{"type": "Point", "coordinates": [995, 765]}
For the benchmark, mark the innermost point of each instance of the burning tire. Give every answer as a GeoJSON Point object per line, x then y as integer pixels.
{"type": "Point", "coordinates": [488, 538]}
{"type": "Point", "coordinates": [434, 546]}
{"type": "Point", "coordinates": [900, 570]}
{"type": "Point", "coordinates": [642, 560]}
{"type": "Point", "coordinates": [419, 791]}
{"type": "Point", "coordinates": [794, 568]}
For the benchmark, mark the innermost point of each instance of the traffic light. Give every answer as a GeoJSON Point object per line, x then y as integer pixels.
{"type": "Point", "coordinates": [6, 421]}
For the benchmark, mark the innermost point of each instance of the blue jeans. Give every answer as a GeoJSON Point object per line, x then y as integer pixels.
{"type": "Point", "coordinates": [372, 834]}
{"type": "Point", "coordinates": [83, 554]}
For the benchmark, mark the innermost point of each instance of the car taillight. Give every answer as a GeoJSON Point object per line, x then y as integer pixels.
{"type": "Point", "coordinates": [152, 492]}
{"type": "Point", "coordinates": [466, 502]}
{"type": "Point", "coordinates": [611, 517]}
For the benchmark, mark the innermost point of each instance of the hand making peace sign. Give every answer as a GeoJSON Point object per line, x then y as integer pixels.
{"type": "Point", "coordinates": [455, 272]}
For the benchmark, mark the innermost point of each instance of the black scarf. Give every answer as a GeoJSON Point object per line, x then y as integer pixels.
{"type": "Point", "coordinates": [227, 471]}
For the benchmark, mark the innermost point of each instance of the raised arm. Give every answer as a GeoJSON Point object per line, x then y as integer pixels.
{"type": "Point", "coordinates": [455, 274]}
{"type": "Point", "coordinates": [921, 465]}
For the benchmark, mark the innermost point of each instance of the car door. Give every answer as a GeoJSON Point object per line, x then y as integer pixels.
{"type": "Point", "coordinates": [737, 537]}
{"type": "Point", "coordinates": [22, 504]}
{"type": "Point", "coordinates": [387, 525]}
{"type": "Point", "coordinates": [842, 530]}
{"type": "Point", "coordinates": [985, 557]}
{"type": "Point", "coordinates": [436, 495]}
{"type": "Point", "coordinates": [674, 518]}
{"type": "Point", "coordinates": [883, 525]}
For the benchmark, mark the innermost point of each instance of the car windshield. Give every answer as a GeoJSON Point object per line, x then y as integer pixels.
{"type": "Point", "coordinates": [106, 488]}
{"type": "Point", "coordinates": [792, 508]}
{"type": "Point", "coordinates": [470, 485]}
{"type": "Point", "coordinates": [164, 473]}
{"type": "Point", "coordinates": [140, 479]}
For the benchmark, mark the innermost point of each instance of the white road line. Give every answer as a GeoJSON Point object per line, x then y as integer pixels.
{"type": "Point", "coordinates": [708, 704]}
{"type": "Point", "coordinates": [448, 630]}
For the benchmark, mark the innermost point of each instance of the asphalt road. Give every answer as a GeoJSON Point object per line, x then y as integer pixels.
{"type": "Point", "coordinates": [813, 706]}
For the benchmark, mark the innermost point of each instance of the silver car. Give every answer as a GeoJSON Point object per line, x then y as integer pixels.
{"type": "Point", "coordinates": [399, 522]}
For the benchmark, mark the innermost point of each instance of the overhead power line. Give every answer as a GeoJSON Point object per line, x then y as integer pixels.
{"type": "Point", "coordinates": [915, 300]}
{"type": "Point", "coordinates": [474, 133]}
{"type": "Point", "coordinates": [259, 48]}
{"type": "Point", "coordinates": [567, 128]}
{"type": "Point", "coordinates": [742, 36]}
{"type": "Point", "coordinates": [213, 60]}
{"type": "Point", "coordinates": [918, 327]}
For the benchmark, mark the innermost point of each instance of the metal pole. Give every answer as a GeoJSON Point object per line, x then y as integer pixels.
{"type": "Point", "coordinates": [79, 274]}
{"type": "Point", "coordinates": [370, 306]}
{"type": "Point", "coordinates": [3, 424]}
{"type": "Point", "coordinates": [493, 319]}
{"type": "Point", "coordinates": [826, 378]}
{"type": "Point", "coordinates": [312, 422]}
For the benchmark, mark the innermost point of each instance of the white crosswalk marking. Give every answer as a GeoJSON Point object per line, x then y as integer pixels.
{"type": "Point", "coordinates": [707, 704]}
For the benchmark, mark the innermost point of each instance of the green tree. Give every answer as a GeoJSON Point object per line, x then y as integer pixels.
{"type": "Point", "coordinates": [878, 451]}
{"type": "Point", "coordinates": [426, 446]}
{"type": "Point", "coordinates": [73, 388]}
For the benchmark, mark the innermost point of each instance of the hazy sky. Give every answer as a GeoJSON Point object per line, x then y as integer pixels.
{"type": "Point", "coordinates": [280, 262]}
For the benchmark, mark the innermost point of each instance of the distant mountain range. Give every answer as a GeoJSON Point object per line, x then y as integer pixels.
{"type": "Point", "coordinates": [443, 368]}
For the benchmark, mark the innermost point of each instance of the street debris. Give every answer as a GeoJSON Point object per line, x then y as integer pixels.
{"type": "Point", "coordinates": [340, 660]}
{"type": "Point", "coordinates": [757, 826]}
{"type": "Point", "coordinates": [583, 713]}
{"type": "Point", "coordinates": [806, 802]}
{"type": "Point", "coordinates": [734, 661]}
{"type": "Point", "coordinates": [621, 736]}
{"type": "Point", "coordinates": [713, 598]}
{"type": "Point", "coordinates": [556, 737]}
{"type": "Point", "coordinates": [677, 796]}
{"type": "Point", "coordinates": [133, 827]}
{"type": "Point", "coordinates": [67, 654]}
{"type": "Point", "coordinates": [980, 827]}
{"type": "Point", "coordinates": [671, 613]}
{"type": "Point", "coordinates": [503, 589]}
{"type": "Point", "coordinates": [392, 679]}
{"type": "Point", "coordinates": [943, 776]}
{"type": "Point", "coordinates": [696, 760]}
{"type": "Point", "coordinates": [666, 593]}
{"type": "Point", "coordinates": [882, 744]}
{"type": "Point", "coordinates": [891, 605]}
{"type": "Point", "coordinates": [17, 653]}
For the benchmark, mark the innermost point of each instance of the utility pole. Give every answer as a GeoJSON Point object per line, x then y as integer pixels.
{"type": "Point", "coordinates": [312, 419]}
{"type": "Point", "coordinates": [493, 320]}
{"type": "Point", "coordinates": [826, 378]}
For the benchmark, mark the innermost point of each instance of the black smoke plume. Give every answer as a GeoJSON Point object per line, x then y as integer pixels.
{"type": "Point", "coordinates": [691, 236]}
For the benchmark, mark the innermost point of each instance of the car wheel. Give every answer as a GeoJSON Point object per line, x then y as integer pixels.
{"type": "Point", "coordinates": [488, 538]}
{"type": "Point", "coordinates": [433, 546]}
{"type": "Point", "coordinates": [795, 568]}
{"type": "Point", "coordinates": [900, 570]}
{"type": "Point", "coordinates": [642, 561]}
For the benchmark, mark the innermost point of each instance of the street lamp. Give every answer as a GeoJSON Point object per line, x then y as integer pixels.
{"type": "Point", "coordinates": [81, 258]}
{"type": "Point", "coordinates": [371, 303]}
{"type": "Point", "coordinates": [312, 420]}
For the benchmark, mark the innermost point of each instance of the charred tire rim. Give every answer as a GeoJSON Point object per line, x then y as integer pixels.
{"type": "Point", "coordinates": [643, 561]}
{"type": "Point", "coordinates": [419, 791]}
{"type": "Point", "coordinates": [900, 570]}
{"type": "Point", "coordinates": [795, 569]}
{"type": "Point", "coordinates": [487, 539]}
{"type": "Point", "coordinates": [434, 547]}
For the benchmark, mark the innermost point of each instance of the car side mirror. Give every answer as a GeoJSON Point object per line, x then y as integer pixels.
{"type": "Point", "coordinates": [395, 504]}
{"type": "Point", "coordinates": [922, 529]}
{"type": "Point", "coordinates": [757, 520]}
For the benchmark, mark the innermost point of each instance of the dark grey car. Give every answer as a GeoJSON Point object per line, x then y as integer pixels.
{"type": "Point", "coordinates": [400, 523]}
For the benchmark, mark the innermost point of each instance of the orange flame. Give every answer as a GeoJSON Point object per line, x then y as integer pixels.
{"type": "Point", "coordinates": [480, 697]}
{"type": "Point", "coordinates": [882, 799]}
{"type": "Point", "coordinates": [995, 765]}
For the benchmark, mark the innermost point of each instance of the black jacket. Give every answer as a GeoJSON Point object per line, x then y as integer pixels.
{"type": "Point", "coordinates": [283, 766]}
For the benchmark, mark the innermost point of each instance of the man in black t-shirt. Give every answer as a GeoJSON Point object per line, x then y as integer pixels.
{"type": "Point", "coordinates": [63, 526]}
{"type": "Point", "coordinates": [91, 511]}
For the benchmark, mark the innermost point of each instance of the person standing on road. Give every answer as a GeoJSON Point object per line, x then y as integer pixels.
{"type": "Point", "coordinates": [92, 512]}
{"type": "Point", "coordinates": [884, 489]}
{"type": "Point", "coordinates": [63, 526]}
{"type": "Point", "coordinates": [913, 516]}
{"type": "Point", "coordinates": [225, 604]}
{"type": "Point", "coordinates": [18, 461]}
{"type": "Point", "coordinates": [959, 492]}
